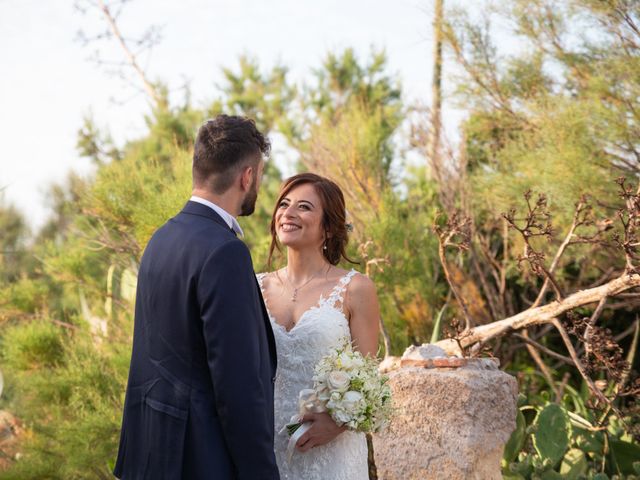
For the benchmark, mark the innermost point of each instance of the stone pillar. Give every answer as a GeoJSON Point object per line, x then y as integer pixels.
{"type": "Point", "coordinates": [450, 422]}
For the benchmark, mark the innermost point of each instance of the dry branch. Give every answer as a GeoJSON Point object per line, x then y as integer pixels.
{"type": "Point", "coordinates": [132, 48]}
{"type": "Point", "coordinates": [577, 221]}
{"type": "Point", "coordinates": [542, 348]}
{"type": "Point", "coordinates": [149, 88]}
{"type": "Point", "coordinates": [541, 365]}
{"type": "Point", "coordinates": [457, 227]}
{"type": "Point", "coordinates": [546, 313]}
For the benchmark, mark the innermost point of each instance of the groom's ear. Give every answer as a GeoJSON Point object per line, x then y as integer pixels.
{"type": "Point", "coordinates": [246, 177]}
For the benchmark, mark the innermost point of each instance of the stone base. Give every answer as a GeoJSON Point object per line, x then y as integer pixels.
{"type": "Point", "coordinates": [449, 423]}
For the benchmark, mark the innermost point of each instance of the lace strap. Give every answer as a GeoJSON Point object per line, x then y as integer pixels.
{"type": "Point", "coordinates": [337, 294]}
{"type": "Point", "coordinates": [260, 277]}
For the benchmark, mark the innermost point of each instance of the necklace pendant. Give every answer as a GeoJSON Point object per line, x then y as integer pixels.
{"type": "Point", "coordinates": [294, 297]}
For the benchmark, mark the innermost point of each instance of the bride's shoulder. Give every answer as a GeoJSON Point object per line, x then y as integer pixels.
{"type": "Point", "coordinates": [360, 293]}
{"type": "Point", "coordinates": [359, 285]}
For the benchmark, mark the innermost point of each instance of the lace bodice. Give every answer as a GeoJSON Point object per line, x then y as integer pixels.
{"type": "Point", "coordinates": [317, 331]}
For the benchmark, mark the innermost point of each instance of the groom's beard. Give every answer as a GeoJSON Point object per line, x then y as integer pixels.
{"type": "Point", "coordinates": [249, 203]}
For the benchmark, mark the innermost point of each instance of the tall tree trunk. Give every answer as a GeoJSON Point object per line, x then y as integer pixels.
{"type": "Point", "coordinates": [436, 91]}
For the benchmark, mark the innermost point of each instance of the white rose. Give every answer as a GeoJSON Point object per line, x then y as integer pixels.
{"type": "Point", "coordinates": [358, 362]}
{"type": "Point", "coordinates": [341, 417]}
{"type": "Point", "coordinates": [338, 381]}
{"type": "Point", "coordinates": [352, 401]}
{"type": "Point", "coordinates": [345, 360]}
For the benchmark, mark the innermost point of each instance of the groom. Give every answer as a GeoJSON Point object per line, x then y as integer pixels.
{"type": "Point", "coordinates": [199, 401]}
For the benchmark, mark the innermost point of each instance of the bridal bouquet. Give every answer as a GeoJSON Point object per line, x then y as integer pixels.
{"type": "Point", "coordinates": [349, 387]}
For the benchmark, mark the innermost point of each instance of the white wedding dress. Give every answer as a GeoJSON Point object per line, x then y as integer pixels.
{"type": "Point", "coordinates": [317, 332]}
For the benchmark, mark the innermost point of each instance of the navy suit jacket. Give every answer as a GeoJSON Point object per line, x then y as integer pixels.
{"type": "Point", "coordinates": [199, 400]}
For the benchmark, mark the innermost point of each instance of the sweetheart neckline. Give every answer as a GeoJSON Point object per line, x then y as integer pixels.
{"type": "Point", "coordinates": [302, 317]}
{"type": "Point", "coordinates": [336, 290]}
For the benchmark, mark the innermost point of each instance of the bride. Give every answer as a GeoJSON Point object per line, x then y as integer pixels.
{"type": "Point", "coordinates": [312, 304]}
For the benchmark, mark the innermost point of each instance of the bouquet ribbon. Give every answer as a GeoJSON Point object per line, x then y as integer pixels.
{"type": "Point", "coordinates": [291, 446]}
{"type": "Point", "coordinates": [308, 402]}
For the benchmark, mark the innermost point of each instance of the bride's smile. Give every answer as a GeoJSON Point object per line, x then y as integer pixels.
{"type": "Point", "coordinates": [289, 227]}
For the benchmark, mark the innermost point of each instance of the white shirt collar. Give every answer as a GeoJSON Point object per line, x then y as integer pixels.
{"type": "Point", "coordinates": [226, 216]}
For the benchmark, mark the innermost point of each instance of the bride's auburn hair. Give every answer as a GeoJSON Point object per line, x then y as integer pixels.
{"type": "Point", "coordinates": [334, 215]}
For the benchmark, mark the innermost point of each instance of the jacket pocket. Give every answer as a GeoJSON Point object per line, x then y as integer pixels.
{"type": "Point", "coordinates": [165, 428]}
{"type": "Point", "coordinates": [168, 409]}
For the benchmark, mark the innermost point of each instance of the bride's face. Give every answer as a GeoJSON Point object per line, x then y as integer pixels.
{"type": "Point", "coordinates": [299, 218]}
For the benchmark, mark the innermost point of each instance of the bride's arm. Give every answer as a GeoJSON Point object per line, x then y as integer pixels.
{"type": "Point", "coordinates": [361, 303]}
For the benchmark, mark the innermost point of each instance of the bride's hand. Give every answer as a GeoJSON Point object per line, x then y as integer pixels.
{"type": "Point", "coordinates": [322, 431]}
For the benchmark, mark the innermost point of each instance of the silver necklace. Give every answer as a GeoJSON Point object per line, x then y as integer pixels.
{"type": "Point", "coordinates": [294, 297]}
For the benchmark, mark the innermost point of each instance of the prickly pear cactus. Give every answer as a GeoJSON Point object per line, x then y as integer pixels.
{"type": "Point", "coordinates": [552, 433]}
{"type": "Point", "coordinates": [574, 464]}
{"type": "Point", "coordinates": [516, 441]}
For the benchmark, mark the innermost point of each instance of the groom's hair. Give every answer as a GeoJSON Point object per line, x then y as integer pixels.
{"type": "Point", "coordinates": [223, 147]}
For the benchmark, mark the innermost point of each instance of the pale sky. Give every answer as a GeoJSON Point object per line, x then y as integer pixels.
{"type": "Point", "coordinates": [47, 84]}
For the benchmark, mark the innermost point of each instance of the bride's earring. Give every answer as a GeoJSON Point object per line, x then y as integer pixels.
{"type": "Point", "coordinates": [325, 246]}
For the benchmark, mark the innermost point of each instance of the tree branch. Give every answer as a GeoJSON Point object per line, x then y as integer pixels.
{"type": "Point", "coordinates": [542, 348]}
{"type": "Point", "coordinates": [149, 88]}
{"type": "Point", "coordinates": [576, 222]}
{"type": "Point", "coordinates": [541, 365]}
{"type": "Point", "coordinates": [546, 313]}
{"type": "Point", "coordinates": [574, 356]}
{"type": "Point", "coordinates": [456, 226]}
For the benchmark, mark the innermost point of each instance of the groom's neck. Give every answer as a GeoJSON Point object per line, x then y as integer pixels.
{"type": "Point", "coordinates": [226, 201]}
